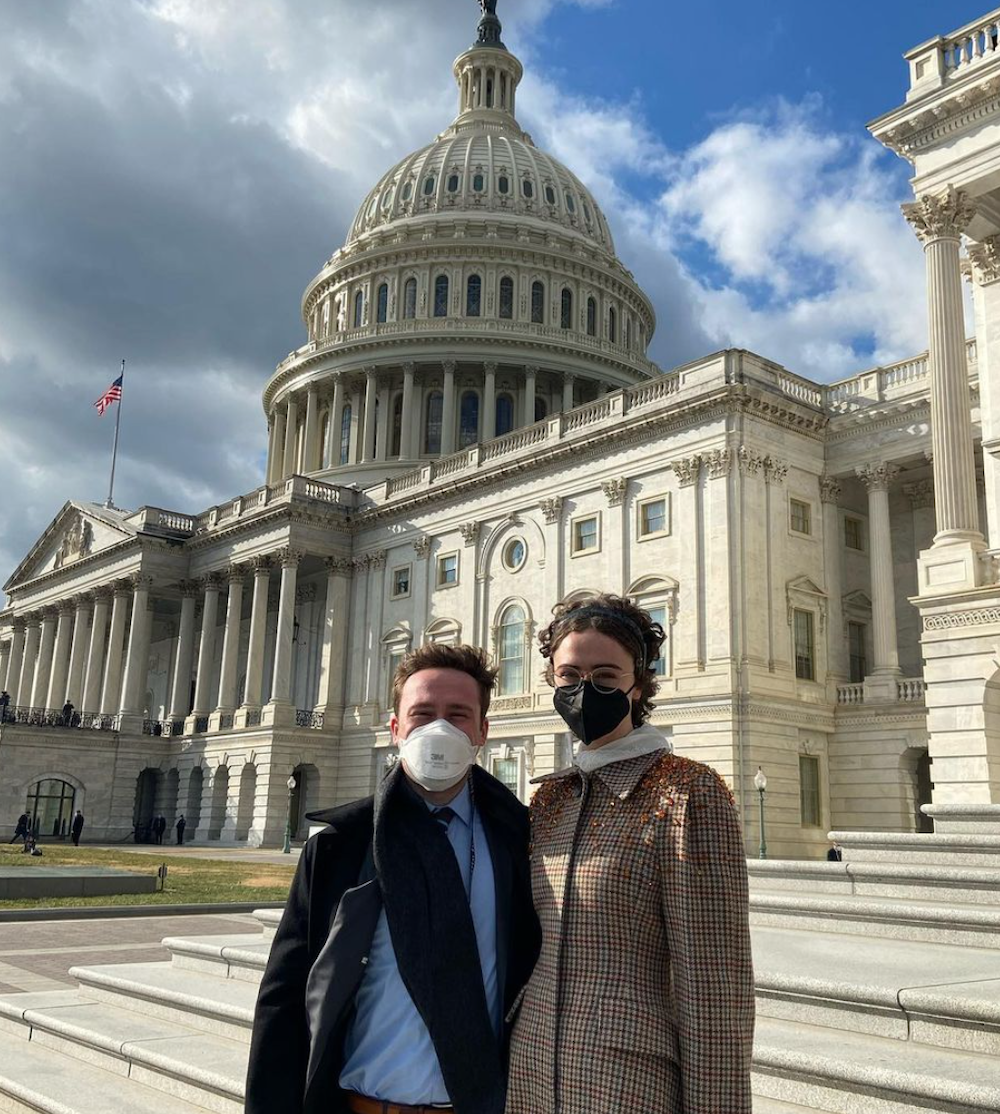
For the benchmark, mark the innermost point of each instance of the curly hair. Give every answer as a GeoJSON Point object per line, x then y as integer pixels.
{"type": "Point", "coordinates": [621, 619]}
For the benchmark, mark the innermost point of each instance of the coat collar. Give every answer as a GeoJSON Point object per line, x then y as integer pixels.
{"type": "Point", "coordinates": [620, 778]}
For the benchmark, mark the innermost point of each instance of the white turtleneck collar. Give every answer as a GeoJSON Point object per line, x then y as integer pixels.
{"type": "Point", "coordinates": [641, 740]}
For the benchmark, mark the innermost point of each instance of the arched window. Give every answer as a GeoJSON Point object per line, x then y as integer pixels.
{"type": "Point", "coordinates": [382, 304]}
{"type": "Point", "coordinates": [324, 440]}
{"type": "Point", "coordinates": [397, 426]}
{"type": "Point", "coordinates": [453, 183]}
{"type": "Point", "coordinates": [478, 182]}
{"type": "Point", "coordinates": [566, 310]}
{"type": "Point", "coordinates": [538, 303]}
{"type": "Point", "coordinates": [429, 186]}
{"type": "Point", "coordinates": [432, 426]}
{"type": "Point", "coordinates": [507, 298]}
{"type": "Point", "coordinates": [541, 408]}
{"type": "Point", "coordinates": [468, 421]}
{"type": "Point", "coordinates": [441, 296]}
{"type": "Point", "coordinates": [473, 296]}
{"type": "Point", "coordinates": [410, 298]}
{"type": "Point", "coordinates": [359, 309]}
{"type": "Point", "coordinates": [591, 317]}
{"type": "Point", "coordinates": [528, 188]}
{"type": "Point", "coordinates": [570, 203]}
{"type": "Point", "coordinates": [505, 414]}
{"type": "Point", "coordinates": [503, 184]}
{"type": "Point", "coordinates": [612, 325]}
{"type": "Point", "coordinates": [50, 807]}
{"type": "Point", "coordinates": [345, 434]}
{"type": "Point", "coordinates": [510, 646]}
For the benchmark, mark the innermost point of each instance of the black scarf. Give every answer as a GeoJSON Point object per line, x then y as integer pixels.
{"type": "Point", "coordinates": [434, 939]}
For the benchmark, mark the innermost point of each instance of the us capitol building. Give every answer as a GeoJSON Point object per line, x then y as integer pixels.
{"type": "Point", "coordinates": [472, 431]}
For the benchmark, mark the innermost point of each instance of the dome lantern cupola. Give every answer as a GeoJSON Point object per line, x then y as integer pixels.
{"type": "Point", "coordinates": [488, 76]}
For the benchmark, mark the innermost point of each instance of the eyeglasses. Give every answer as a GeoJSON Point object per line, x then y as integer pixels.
{"type": "Point", "coordinates": [604, 680]}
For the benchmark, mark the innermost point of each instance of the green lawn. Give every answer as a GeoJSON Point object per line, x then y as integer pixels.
{"type": "Point", "coordinates": [190, 881]}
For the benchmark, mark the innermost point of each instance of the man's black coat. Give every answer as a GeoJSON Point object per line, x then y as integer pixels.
{"type": "Point", "coordinates": [322, 944]}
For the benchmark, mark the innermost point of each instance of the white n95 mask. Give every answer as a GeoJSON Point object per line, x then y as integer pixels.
{"type": "Point", "coordinates": [437, 755]}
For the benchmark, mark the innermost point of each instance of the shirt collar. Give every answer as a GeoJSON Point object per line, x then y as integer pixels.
{"type": "Point", "coordinates": [460, 805]}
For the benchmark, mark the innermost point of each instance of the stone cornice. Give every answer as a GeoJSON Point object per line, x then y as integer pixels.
{"type": "Point", "coordinates": [924, 124]}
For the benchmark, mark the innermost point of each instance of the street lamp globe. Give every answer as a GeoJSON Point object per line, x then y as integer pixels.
{"type": "Point", "coordinates": [760, 780]}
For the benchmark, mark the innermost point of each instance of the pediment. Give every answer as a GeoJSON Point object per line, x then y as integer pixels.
{"type": "Point", "coordinates": [856, 601]}
{"type": "Point", "coordinates": [804, 585]}
{"type": "Point", "coordinates": [78, 531]}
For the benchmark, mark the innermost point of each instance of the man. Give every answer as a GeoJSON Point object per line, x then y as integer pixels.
{"type": "Point", "coordinates": [409, 930]}
{"type": "Point", "coordinates": [77, 828]}
{"type": "Point", "coordinates": [21, 829]}
{"type": "Point", "coordinates": [181, 825]}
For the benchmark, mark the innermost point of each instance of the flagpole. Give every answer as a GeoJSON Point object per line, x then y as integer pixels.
{"type": "Point", "coordinates": [114, 452]}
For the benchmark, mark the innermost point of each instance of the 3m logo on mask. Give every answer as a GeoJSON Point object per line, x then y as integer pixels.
{"type": "Point", "coordinates": [437, 755]}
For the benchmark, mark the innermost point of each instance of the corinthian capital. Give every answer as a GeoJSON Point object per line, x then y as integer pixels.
{"type": "Point", "coordinates": [984, 260]}
{"type": "Point", "coordinates": [877, 477]}
{"type": "Point", "coordinates": [938, 216]}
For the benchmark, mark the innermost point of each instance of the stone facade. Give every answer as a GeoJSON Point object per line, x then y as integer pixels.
{"type": "Point", "coordinates": [474, 431]}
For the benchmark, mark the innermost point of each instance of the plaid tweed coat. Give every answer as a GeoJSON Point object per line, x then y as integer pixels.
{"type": "Point", "coordinates": [642, 1001]}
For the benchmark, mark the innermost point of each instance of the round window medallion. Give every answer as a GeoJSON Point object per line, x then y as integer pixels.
{"type": "Point", "coordinates": [514, 554]}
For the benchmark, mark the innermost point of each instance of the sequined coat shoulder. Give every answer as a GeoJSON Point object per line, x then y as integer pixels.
{"type": "Point", "coordinates": [642, 998]}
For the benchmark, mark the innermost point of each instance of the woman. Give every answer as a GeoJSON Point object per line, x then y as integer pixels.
{"type": "Point", "coordinates": [642, 998]}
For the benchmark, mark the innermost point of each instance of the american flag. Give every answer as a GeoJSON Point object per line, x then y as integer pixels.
{"type": "Point", "coordinates": [112, 394]}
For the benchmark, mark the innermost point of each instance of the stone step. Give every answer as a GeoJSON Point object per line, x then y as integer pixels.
{"type": "Point", "coordinates": [932, 994]}
{"type": "Point", "coordinates": [967, 886]}
{"type": "Point", "coordinates": [852, 1073]}
{"type": "Point", "coordinates": [197, 1067]}
{"type": "Point", "coordinates": [269, 918]}
{"type": "Point", "coordinates": [223, 1007]}
{"type": "Point", "coordinates": [240, 956]}
{"type": "Point", "coordinates": [897, 918]}
{"type": "Point", "coordinates": [962, 849]}
{"type": "Point", "coordinates": [39, 1080]}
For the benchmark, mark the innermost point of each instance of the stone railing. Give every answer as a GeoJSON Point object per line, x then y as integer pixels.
{"type": "Point", "coordinates": [293, 488]}
{"type": "Point", "coordinates": [254, 717]}
{"type": "Point", "coordinates": [54, 717]}
{"type": "Point", "coordinates": [909, 689]}
{"type": "Point", "coordinates": [306, 717]}
{"type": "Point", "coordinates": [882, 384]}
{"type": "Point", "coordinates": [851, 694]}
{"type": "Point", "coordinates": [970, 44]}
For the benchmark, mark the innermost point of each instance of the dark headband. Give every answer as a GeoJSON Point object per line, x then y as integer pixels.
{"type": "Point", "coordinates": [616, 616]}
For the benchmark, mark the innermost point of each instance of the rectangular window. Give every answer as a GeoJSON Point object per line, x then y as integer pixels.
{"type": "Point", "coordinates": [856, 640]}
{"type": "Point", "coordinates": [659, 615]}
{"type": "Point", "coordinates": [392, 664]}
{"type": "Point", "coordinates": [447, 570]}
{"type": "Point", "coordinates": [585, 535]}
{"type": "Point", "coordinates": [801, 516]}
{"type": "Point", "coordinates": [854, 537]}
{"type": "Point", "coordinates": [805, 645]}
{"type": "Point", "coordinates": [505, 770]}
{"type": "Point", "coordinates": [653, 518]}
{"type": "Point", "coordinates": [400, 582]}
{"type": "Point", "coordinates": [809, 791]}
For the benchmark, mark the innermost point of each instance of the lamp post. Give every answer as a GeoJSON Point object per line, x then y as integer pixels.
{"type": "Point", "coordinates": [287, 848]}
{"type": "Point", "coordinates": [760, 782]}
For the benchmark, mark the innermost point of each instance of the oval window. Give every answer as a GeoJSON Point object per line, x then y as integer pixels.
{"type": "Point", "coordinates": [453, 183]}
{"type": "Point", "coordinates": [550, 195]}
{"type": "Point", "coordinates": [514, 553]}
{"type": "Point", "coordinates": [407, 191]}
{"type": "Point", "coordinates": [503, 184]}
{"type": "Point", "coordinates": [478, 182]}
{"type": "Point", "coordinates": [570, 203]}
{"type": "Point", "coordinates": [527, 188]}
{"type": "Point", "coordinates": [586, 212]}
{"type": "Point", "coordinates": [429, 186]}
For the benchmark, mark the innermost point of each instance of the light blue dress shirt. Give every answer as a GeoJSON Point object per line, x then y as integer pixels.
{"type": "Point", "coordinates": [388, 1053]}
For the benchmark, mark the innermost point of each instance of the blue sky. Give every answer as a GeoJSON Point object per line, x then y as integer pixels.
{"type": "Point", "coordinates": [176, 171]}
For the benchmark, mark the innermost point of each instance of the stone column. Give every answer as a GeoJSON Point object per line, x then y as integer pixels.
{"type": "Point", "coordinates": [56, 696]}
{"type": "Point", "coordinates": [4, 663]}
{"type": "Point", "coordinates": [279, 710]}
{"type": "Point", "coordinates": [569, 380]}
{"type": "Point", "coordinates": [836, 648]}
{"type": "Point", "coordinates": [489, 401]}
{"type": "Point", "coordinates": [333, 657]}
{"type": "Point", "coordinates": [952, 563]}
{"type": "Point", "coordinates": [291, 439]}
{"type": "Point", "coordinates": [354, 443]}
{"type": "Point", "coordinates": [984, 270]}
{"type": "Point", "coordinates": [310, 450]}
{"type": "Point", "coordinates": [230, 647]}
{"type": "Point", "coordinates": [881, 685]}
{"type": "Point", "coordinates": [43, 665]}
{"type": "Point", "coordinates": [336, 421]}
{"type": "Point", "coordinates": [13, 683]}
{"type": "Point", "coordinates": [91, 699]}
{"type": "Point", "coordinates": [406, 433]}
{"type": "Point", "coordinates": [180, 696]}
{"type": "Point", "coordinates": [688, 472]}
{"type": "Point", "coordinates": [253, 693]}
{"type": "Point", "coordinates": [137, 655]}
{"type": "Point", "coordinates": [31, 637]}
{"type": "Point", "coordinates": [530, 387]}
{"type": "Point", "coordinates": [272, 446]}
{"type": "Point", "coordinates": [206, 651]}
{"type": "Point", "coordinates": [448, 418]}
{"type": "Point", "coordinates": [382, 427]}
{"type": "Point", "coordinates": [276, 471]}
{"type": "Point", "coordinates": [371, 393]}
{"type": "Point", "coordinates": [111, 692]}
{"type": "Point", "coordinates": [78, 649]}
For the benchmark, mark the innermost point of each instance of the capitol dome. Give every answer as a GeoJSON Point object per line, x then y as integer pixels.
{"type": "Point", "coordinates": [478, 291]}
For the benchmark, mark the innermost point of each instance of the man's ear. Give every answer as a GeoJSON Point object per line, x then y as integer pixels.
{"type": "Point", "coordinates": [394, 728]}
{"type": "Point", "coordinates": [484, 731]}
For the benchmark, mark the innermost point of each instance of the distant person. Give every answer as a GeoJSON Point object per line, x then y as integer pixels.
{"type": "Point", "coordinates": [77, 828]}
{"type": "Point", "coordinates": [835, 854]}
{"type": "Point", "coordinates": [181, 825]}
{"type": "Point", "coordinates": [67, 714]}
{"type": "Point", "coordinates": [159, 827]}
{"type": "Point", "coordinates": [21, 829]}
{"type": "Point", "coordinates": [4, 701]}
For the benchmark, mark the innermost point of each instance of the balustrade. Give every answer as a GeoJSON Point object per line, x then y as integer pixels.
{"type": "Point", "coordinates": [306, 717]}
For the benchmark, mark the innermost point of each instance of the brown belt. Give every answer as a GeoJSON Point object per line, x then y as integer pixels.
{"type": "Point", "coordinates": [359, 1104]}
